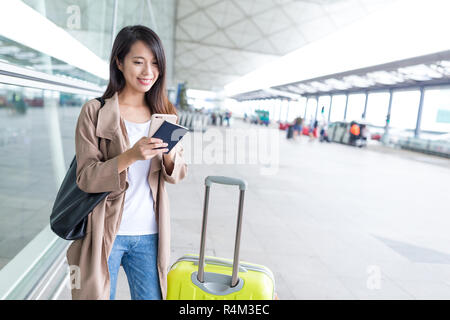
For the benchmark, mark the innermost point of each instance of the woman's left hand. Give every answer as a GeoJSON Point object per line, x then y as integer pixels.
{"type": "Point", "coordinates": [168, 159]}
{"type": "Point", "coordinates": [170, 156]}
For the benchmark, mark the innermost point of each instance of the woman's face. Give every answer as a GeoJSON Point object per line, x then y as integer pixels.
{"type": "Point", "coordinates": [139, 68]}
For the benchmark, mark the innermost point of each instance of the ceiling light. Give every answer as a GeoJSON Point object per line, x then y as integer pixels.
{"type": "Point", "coordinates": [320, 86]}
{"type": "Point", "coordinates": [420, 72]}
{"type": "Point", "coordinates": [384, 77]}
{"type": "Point", "coordinates": [358, 81]}
{"type": "Point", "coordinates": [337, 84]}
{"type": "Point", "coordinates": [307, 88]}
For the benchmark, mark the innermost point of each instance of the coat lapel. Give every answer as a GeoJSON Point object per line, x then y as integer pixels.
{"type": "Point", "coordinates": [110, 125]}
{"type": "Point", "coordinates": [108, 119]}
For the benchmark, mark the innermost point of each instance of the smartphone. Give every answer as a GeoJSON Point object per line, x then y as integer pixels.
{"type": "Point", "coordinates": [157, 120]}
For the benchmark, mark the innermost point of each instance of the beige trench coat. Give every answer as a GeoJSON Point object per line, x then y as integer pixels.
{"type": "Point", "coordinates": [97, 172]}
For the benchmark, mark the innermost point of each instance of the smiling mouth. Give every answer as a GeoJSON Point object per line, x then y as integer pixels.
{"type": "Point", "coordinates": [144, 81]}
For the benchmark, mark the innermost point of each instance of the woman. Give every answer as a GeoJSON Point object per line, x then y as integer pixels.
{"type": "Point", "coordinates": [131, 226]}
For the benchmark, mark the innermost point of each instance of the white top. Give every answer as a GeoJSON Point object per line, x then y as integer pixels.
{"type": "Point", "coordinates": [138, 216]}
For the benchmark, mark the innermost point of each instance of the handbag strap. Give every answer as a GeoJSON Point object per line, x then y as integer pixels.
{"type": "Point", "coordinates": [101, 100]}
{"type": "Point", "coordinates": [157, 198]}
{"type": "Point", "coordinates": [102, 103]}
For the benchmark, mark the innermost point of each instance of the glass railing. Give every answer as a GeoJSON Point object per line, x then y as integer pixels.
{"type": "Point", "coordinates": [17, 54]}
{"type": "Point", "coordinates": [37, 132]}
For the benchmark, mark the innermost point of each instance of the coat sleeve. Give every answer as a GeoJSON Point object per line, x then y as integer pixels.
{"type": "Point", "coordinates": [93, 174]}
{"type": "Point", "coordinates": [179, 169]}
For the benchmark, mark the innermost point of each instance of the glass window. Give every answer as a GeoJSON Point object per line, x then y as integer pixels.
{"type": "Point", "coordinates": [337, 108]}
{"type": "Point", "coordinates": [311, 111]}
{"type": "Point", "coordinates": [296, 109]}
{"type": "Point", "coordinates": [270, 108]}
{"type": "Point", "coordinates": [276, 109]}
{"type": "Point", "coordinates": [405, 105]}
{"type": "Point", "coordinates": [377, 108]}
{"type": "Point", "coordinates": [355, 107]}
{"type": "Point", "coordinates": [436, 110]}
{"type": "Point", "coordinates": [283, 111]}
{"type": "Point", "coordinates": [90, 22]}
{"type": "Point", "coordinates": [324, 104]}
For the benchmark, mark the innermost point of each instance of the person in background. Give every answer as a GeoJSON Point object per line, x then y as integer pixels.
{"type": "Point", "coordinates": [227, 117]}
{"type": "Point", "coordinates": [354, 132]}
{"type": "Point", "coordinates": [363, 135]}
{"type": "Point", "coordinates": [323, 135]}
{"type": "Point", "coordinates": [313, 130]}
{"type": "Point", "coordinates": [298, 125]}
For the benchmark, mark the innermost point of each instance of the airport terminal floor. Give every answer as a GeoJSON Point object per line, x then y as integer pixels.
{"type": "Point", "coordinates": [334, 221]}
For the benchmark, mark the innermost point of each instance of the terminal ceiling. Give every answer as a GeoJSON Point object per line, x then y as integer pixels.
{"type": "Point", "coordinates": [217, 42]}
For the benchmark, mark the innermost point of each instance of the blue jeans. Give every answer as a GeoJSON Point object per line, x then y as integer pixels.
{"type": "Point", "coordinates": [138, 256]}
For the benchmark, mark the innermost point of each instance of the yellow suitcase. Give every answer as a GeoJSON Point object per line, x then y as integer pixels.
{"type": "Point", "coordinates": [196, 277]}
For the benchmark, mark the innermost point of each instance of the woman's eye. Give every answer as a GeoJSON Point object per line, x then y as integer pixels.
{"type": "Point", "coordinates": [136, 62]}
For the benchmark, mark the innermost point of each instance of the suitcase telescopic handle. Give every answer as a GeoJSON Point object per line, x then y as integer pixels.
{"type": "Point", "coordinates": [226, 180]}
{"type": "Point", "coordinates": [201, 261]}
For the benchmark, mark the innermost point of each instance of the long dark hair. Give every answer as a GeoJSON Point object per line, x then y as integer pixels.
{"type": "Point", "coordinates": [156, 97]}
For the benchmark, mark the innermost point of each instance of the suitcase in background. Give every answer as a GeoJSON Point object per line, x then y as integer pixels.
{"type": "Point", "coordinates": [196, 277]}
{"type": "Point", "coordinates": [290, 132]}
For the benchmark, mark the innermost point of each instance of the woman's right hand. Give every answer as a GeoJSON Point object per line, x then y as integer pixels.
{"type": "Point", "coordinates": [144, 148]}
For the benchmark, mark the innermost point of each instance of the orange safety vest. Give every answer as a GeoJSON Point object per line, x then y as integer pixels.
{"type": "Point", "coordinates": [355, 130]}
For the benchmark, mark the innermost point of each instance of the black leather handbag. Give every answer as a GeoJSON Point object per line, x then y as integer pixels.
{"type": "Point", "coordinates": [72, 205]}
